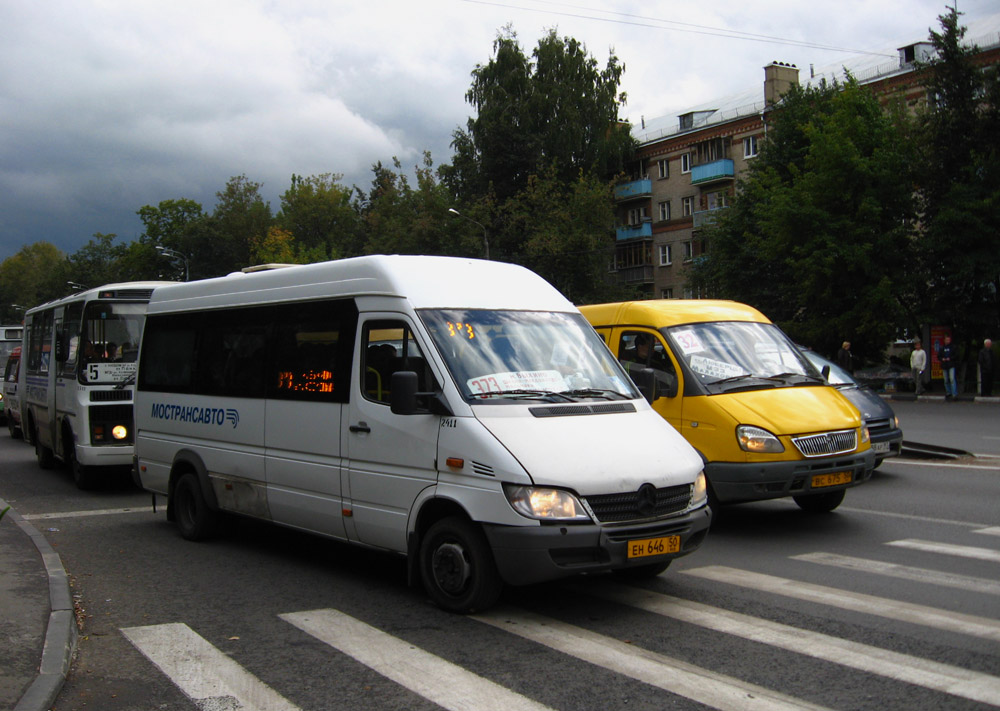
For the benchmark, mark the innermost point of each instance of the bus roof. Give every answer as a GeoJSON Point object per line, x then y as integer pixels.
{"type": "Point", "coordinates": [124, 291]}
{"type": "Point", "coordinates": [657, 313]}
{"type": "Point", "coordinates": [425, 281]}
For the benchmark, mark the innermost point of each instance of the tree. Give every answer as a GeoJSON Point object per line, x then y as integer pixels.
{"type": "Point", "coordinates": [36, 274]}
{"type": "Point", "coordinates": [318, 213]}
{"type": "Point", "coordinates": [180, 225]}
{"type": "Point", "coordinates": [240, 218]}
{"type": "Point", "coordinates": [959, 247]}
{"type": "Point", "coordinates": [557, 112]}
{"type": "Point", "coordinates": [819, 233]}
{"type": "Point", "coordinates": [97, 262]}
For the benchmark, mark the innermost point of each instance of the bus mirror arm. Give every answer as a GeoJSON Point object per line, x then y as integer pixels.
{"type": "Point", "coordinates": [403, 399]}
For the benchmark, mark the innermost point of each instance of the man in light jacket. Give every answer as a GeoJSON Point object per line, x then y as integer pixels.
{"type": "Point", "coordinates": [918, 364]}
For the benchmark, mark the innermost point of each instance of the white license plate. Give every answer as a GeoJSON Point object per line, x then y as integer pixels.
{"type": "Point", "coordinates": [880, 447]}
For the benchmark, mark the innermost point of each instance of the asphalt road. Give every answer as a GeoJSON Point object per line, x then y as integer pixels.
{"type": "Point", "coordinates": [892, 601]}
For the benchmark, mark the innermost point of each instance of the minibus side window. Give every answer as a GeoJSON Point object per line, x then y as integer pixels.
{"type": "Point", "coordinates": [313, 346]}
{"type": "Point", "coordinates": [40, 346]}
{"type": "Point", "coordinates": [641, 349]}
{"type": "Point", "coordinates": [231, 354]}
{"type": "Point", "coordinates": [388, 347]}
{"type": "Point", "coordinates": [168, 353]}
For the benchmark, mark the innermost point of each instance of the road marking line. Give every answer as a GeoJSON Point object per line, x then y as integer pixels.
{"type": "Point", "coordinates": [927, 673]}
{"type": "Point", "coordinates": [672, 675]}
{"type": "Point", "coordinates": [911, 517]}
{"type": "Point", "coordinates": [857, 602]}
{"type": "Point", "coordinates": [989, 531]}
{"type": "Point", "coordinates": [438, 680]}
{"type": "Point", "coordinates": [202, 672]}
{"type": "Point", "coordinates": [78, 514]}
{"type": "Point", "coordinates": [943, 463]}
{"type": "Point", "coordinates": [948, 549]}
{"type": "Point", "coordinates": [905, 572]}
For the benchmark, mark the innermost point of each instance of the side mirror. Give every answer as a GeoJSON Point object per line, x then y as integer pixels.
{"type": "Point", "coordinates": [825, 373]}
{"type": "Point", "coordinates": [645, 380]}
{"type": "Point", "coordinates": [403, 397]}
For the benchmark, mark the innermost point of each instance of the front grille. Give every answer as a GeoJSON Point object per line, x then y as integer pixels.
{"type": "Point", "coordinates": [821, 445]}
{"type": "Point", "coordinates": [110, 395]}
{"type": "Point", "coordinates": [615, 508]}
{"type": "Point", "coordinates": [878, 424]}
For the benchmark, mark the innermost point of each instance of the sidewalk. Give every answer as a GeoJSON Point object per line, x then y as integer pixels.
{"type": "Point", "coordinates": [37, 626]}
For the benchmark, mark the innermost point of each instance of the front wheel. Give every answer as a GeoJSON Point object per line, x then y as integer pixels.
{"type": "Point", "coordinates": [457, 566]}
{"type": "Point", "coordinates": [820, 503]}
{"type": "Point", "coordinates": [195, 520]}
{"type": "Point", "coordinates": [83, 476]}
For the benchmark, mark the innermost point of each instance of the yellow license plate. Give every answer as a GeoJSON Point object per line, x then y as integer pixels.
{"type": "Point", "coordinates": [654, 546]}
{"type": "Point", "coordinates": [820, 480]}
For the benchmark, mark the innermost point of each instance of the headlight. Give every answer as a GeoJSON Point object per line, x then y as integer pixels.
{"type": "Point", "coordinates": [699, 491]}
{"type": "Point", "coordinates": [119, 432]}
{"type": "Point", "coordinates": [545, 504]}
{"type": "Point", "coordinates": [755, 439]}
{"type": "Point", "coordinates": [865, 435]}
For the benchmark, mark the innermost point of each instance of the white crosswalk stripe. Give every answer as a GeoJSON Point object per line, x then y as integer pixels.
{"type": "Point", "coordinates": [206, 675]}
{"type": "Point", "coordinates": [948, 549]}
{"type": "Point", "coordinates": [902, 667]}
{"type": "Point", "coordinates": [858, 602]}
{"type": "Point", "coordinates": [438, 680]}
{"type": "Point", "coordinates": [904, 572]}
{"type": "Point", "coordinates": [989, 531]}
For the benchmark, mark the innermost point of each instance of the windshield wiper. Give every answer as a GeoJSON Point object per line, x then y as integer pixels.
{"type": "Point", "coordinates": [126, 382]}
{"type": "Point", "coordinates": [528, 394]}
{"type": "Point", "coordinates": [595, 392]}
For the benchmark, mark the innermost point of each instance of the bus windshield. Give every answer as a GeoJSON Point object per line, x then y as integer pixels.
{"type": "Point", "coordinates": [495, 355]}
{"type": "Point", "coordinates": [734, 355]}
{"type": "Point", "coordinates": [105, 343]}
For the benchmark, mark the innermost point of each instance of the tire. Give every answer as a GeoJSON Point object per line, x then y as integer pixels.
{"type": "Point", "coordinates": [641, 572]}
{"type": "Point", "coordinates": [83, 476]}
{"type": "Point", "coordinates": [457, 566]}
{"type": "Point", "coordinates": [820, 503]}
{"type": "Point", "coordinates": [195, 520]}
{"type": "Point", "coordinates": [43, 453]}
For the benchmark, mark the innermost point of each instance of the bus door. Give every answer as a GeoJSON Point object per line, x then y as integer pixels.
{"type": "Point", "coordinates": [391, 458]}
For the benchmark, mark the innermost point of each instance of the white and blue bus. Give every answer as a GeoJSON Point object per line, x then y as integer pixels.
{"type": "Point", "coordinates": [10, 338]}
{"type": "Point", "coordinates": [78, 367]}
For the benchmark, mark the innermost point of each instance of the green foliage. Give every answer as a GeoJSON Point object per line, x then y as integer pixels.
{"type": "Point", "coordinates": [959, 247]}
{"type": "Point", "coordinates": [36, 274]}
{"type": "Point", "coordinates": [318, 214]}
{"type": "Point", "coordinates": [819, 231]}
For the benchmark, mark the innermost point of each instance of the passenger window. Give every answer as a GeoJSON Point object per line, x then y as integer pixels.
{"type": "Point", "coordinates": [313, 346]}
{"type": "Point", "coordinates": [388, 347]}
{"type": "Point", "coordinates": [641, 349]}
{"type": "Point", "coordinates": [168, 354]}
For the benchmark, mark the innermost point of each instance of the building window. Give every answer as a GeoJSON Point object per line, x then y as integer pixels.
{"type": "Point", "coordinates": [685, 162]}
{"type": "Point", "coordinates": [636, 216]}
{"type": "Point", "coordinates": [664, 211]}
{"type": "Point", "coordinates": [667, 293]}
{"type": "Point", "coordinates": [717, 199]}
{"type": "Point", "coordinates": [750, 147]}
{"type": "Point", "coordinates": [665, 259]}
{"type": "Point", "coordinates": [688, 250]}
{"type": "Point", "coordinates": [687, 206]}
{"type": "Point", "coordinates": [663, 168]}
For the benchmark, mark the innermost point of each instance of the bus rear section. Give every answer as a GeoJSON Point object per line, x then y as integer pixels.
{"type": "Point", "coordinates": [76, 381]}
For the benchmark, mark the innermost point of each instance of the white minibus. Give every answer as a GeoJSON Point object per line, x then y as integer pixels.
{"type": "Point", "coordinates": [10, 338]}
{"type": "Point", "coordinates": [75, 381]}
{"type": "Point", "coordinates": [456, 411]}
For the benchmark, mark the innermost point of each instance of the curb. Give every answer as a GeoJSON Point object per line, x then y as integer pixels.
{"type": "Point", "coordinates": [60, 635]}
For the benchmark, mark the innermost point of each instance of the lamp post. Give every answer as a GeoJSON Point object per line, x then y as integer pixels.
{"type": "Point", "coordinates": [175, 255]}
{"type": "Point", "coordinates": [486, 242]}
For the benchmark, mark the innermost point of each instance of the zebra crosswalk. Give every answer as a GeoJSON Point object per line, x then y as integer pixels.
{"type": "Point", "coordinates": [212, 680]}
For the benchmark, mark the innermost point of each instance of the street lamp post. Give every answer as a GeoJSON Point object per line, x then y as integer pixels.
{"type": "Point", "coordinates": [486, 241]}
{"type": "Point", "coordinates": [175, 255]}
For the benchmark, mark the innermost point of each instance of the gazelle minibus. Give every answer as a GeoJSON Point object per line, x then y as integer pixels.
{"type": "Point", "coordinates": [460, 412]}
{"type": "Point", "coordinates": [763, 418]}
{"type": "Point", "coordinates": [75, 382]}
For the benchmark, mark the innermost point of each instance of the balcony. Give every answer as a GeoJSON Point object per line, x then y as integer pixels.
{"type": "Point", "coordinates": [634, 190]}
{"type": "Point", "coordinates": [644, 229]}
{"type": "Point", "coordinates": [642, 274]}
{"type": "Point", "coordinates": [707, 217]}
{"type": "Point", "coordinates": [713, 172]}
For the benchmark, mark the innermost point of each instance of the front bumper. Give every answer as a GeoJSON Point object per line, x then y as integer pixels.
{"type": "Point", "coordinates": [526, 555]}
{"type": "Point", "coordinates": [758, 481]}
{"type": "Point", "coordinates": [887, 444]}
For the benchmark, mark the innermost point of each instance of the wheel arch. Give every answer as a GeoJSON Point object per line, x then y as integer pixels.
{"type": "Point", "coordinates": [430, 512]}
{"type": "Point", "coordinates": [187, 461]}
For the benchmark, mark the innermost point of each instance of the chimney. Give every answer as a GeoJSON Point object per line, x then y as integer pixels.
{"type": "Point", "coordinates": [779, 77]}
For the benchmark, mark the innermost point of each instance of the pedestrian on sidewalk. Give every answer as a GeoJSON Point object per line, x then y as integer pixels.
{"type": "Point", "coordinates": [845, 359]}
{"type": "Point", "coordinates": [987, 367]}
{"type": "Point", "coordinates": [918, 364]}
{"type": "Point", "coordinates": [948, 356]}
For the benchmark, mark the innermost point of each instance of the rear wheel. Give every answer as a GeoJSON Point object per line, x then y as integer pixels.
{"type": "Point", "coordinates": [195, 520]}
{"type": "Point", "coordinates": [820, 503]}
{"type": "Point", "coordinates": [457, 566]}
{"type": "Point", "coordinates": [43, 453]}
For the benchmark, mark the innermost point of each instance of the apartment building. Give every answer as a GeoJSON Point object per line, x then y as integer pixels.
{"type": "Point", "coordinates": [687, 165]}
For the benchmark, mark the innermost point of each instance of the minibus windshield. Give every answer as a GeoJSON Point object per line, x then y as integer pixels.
{"type": "Point", "coordinates": [105, 344]}
{"type": "Point", "coordinates": [732, 355]}
{"type": "Point", "coordinates": [500, 355]}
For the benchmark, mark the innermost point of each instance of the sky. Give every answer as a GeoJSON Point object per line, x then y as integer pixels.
{"type": "Point", "coordinates": [107, 106]}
